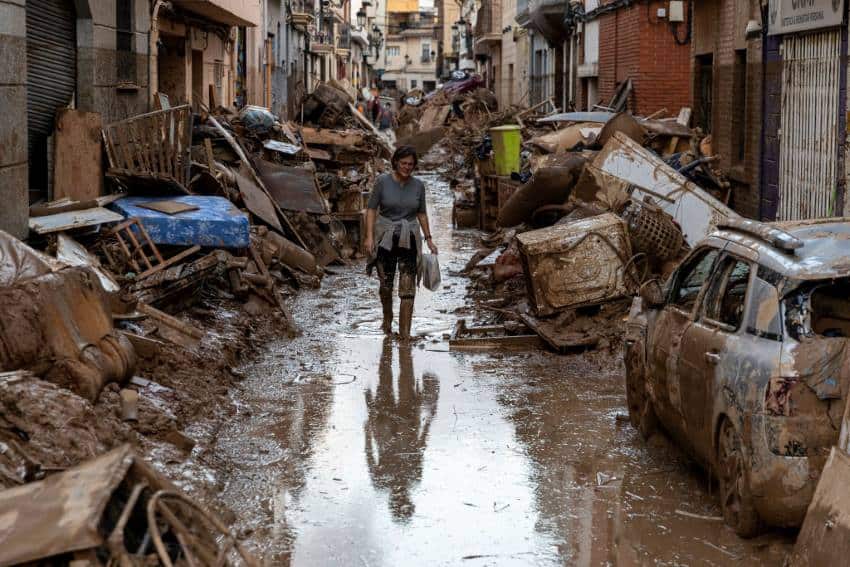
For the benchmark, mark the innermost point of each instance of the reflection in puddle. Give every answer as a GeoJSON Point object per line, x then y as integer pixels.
{"type": "Point", "coordinates": [338, 454]}
{"type": "Point", "coordinates": [399, 419]}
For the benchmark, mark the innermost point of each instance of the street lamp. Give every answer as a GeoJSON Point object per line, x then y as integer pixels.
{"type": "Point", "coordinates": [361, 18]}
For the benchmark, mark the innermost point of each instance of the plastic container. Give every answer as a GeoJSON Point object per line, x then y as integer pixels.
{"type": "Point", "coordinates": [506, 146]}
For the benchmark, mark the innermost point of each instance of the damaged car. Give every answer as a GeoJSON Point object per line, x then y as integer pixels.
{"type": "Point", "coordinates": [742, 358]}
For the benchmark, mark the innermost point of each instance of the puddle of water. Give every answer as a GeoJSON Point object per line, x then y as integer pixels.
{"type": "Point", "coordinates": [349, 449]}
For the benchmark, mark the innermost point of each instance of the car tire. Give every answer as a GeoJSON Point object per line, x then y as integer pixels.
{"type": "Point", "coordinates": [641, 413]}
{"type": "Point", "coordinates": [736, 499]}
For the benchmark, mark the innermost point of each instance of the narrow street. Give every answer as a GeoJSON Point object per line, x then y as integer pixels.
{"type": "Point", "coordinates": [350, 449]}
{"type": "Point", "coordinates": [636, 349]}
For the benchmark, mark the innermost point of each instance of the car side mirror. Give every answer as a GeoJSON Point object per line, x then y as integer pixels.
{"type": "Point", "coordinates": [652, 293]}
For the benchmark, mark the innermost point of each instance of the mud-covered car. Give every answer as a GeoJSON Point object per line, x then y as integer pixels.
{"type": "Point", "coordinates": [742, 358]}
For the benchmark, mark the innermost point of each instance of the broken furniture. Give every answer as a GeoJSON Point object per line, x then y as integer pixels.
{"type": "Point", "coordinates": [695, 211]}
{"type": "Point", "coordinates": [78, 155]}
{"type": "Point", "coordinates": [114, 508]}
{"type": "Point", "coordinates": [581, 263]}
{"type": "Point", "coordinates": [492, 337]}
{"type": "Point", "coordinates": [493, 192]}
{"type": "Point", "coordinates": [141, 252]}
{"type": "Point", "coordinates": [215, 222]}
{"type": "Point", "coordinates": [71, 220]}
{"type": "Point", "coordinates": [72, 253]}
{"type": "Point", "coordinates": [550, 186]}
{"type": "Point", "coordinates": [151, 151]}
{"type": "Point", "coordinates": [559, 340]}
{"type": "Point", "coordinates": [57, 323]}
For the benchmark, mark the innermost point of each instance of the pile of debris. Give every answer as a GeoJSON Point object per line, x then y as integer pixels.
{"type": "Point", "coordinates": [597, 208]}
{"type": "Point", "coordinates": [151, 273]}
{"type": "Point", "coordinates": [459, 115]}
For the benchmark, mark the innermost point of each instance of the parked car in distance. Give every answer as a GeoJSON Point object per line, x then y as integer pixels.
{"type": "Point", "coordinates": [742, 358]}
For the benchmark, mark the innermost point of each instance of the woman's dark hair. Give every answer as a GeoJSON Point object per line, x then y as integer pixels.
{"type": "Point", "coordinates": [403, 152]}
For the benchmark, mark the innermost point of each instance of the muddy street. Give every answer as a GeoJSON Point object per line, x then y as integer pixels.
{"type": "Point", "coordinates": [346, 448]}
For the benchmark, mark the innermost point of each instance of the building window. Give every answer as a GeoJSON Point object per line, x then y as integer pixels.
{"type": "Point", "coordinates": [393, 51]}
{"type": "Point", "coordinates": [426, 52]}
{"type": "Point", "coordinates": [412, 83]}
{"type": "Point", "coordinates": [125, 56]}
{"type": "Point", "coordinates": [739, 106]}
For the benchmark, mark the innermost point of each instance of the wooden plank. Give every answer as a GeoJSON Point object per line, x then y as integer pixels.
{"type": "Point", "coordinates": [170, 321]}
{"type": "Point", "coordinates": [499, 342]}
{"type": "Point", "coordinates": [325, 137]}
{"type": "Point", "coordinates": [256, 200]}
{"type": "Point", "coordinates": [684, 119]}
{"type": "Point", "coordinates": [124, 146]}
{"type": "Point", "coordinates": [145, 347]}
{"type": "Point", "coordinates": [168, 207]}
{"type": "Point", "coordinates": [170, 262]}
{"type": "Point", "coordinates": [559, 341]}
{"type": "Point", "coordinates": [210, 156]}
{"type": "Point", "coordinates": [73, 219]}
{"type": "Point", "coordinates": [78, 164]}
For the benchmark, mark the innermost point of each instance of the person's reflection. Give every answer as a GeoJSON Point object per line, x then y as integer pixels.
{"type": "Point", "coordinates": [397, 428]}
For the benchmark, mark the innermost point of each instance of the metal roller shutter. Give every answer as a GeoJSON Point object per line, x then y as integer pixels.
{"type": "Point", "coordinates": [808, 137]}
{"type": "Point", "coordinates": [51, 78]}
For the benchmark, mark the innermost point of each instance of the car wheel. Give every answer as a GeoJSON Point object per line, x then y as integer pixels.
{"type": "Point", "coordinates": [736, 499]}
{"type": "Point", "coordinates": [641, 413]}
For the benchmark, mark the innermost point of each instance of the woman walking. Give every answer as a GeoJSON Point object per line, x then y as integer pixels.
{"type": "Point", "coordinates": [396, 219]}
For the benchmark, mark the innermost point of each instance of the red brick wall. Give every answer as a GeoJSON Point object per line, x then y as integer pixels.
{"type": "Point", "coordinates": [634, 44]}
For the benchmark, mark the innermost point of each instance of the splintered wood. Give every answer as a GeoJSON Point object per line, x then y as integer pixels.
{"type": "Point", "coordinates": [155, 144]}
{"type": "Point", "coordinates": [140, 251]}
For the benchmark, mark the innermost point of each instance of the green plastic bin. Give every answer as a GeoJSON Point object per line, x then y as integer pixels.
{"type": "Point", "coordinates": [506, 145]}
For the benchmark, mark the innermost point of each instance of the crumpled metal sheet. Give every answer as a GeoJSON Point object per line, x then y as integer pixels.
{"type": "Point", "coordinates": [19, 262]}
{"type": "Point", "coordinates": [293, 188]}
{"type": "Point", "coordinates": [696, 211]}
{"type": "Point", "coordinates": [61, 513]}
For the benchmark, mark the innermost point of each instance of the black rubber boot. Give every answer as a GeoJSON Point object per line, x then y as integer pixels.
{"type": "Point", "coordinates": [405, 318]}
{"type": "Point", "coordinates": [387, 305]}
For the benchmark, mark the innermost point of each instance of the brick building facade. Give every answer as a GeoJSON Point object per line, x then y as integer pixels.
{"type": "Point", "coordinates": [727, 85]}
{"type": "Point", "coordinates": [635, 44]}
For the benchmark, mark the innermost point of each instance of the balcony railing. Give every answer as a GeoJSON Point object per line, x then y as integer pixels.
{"type": "Point", "coordinates": [344, 38]}
{"type": "Point", "coordinates": [321, 42]}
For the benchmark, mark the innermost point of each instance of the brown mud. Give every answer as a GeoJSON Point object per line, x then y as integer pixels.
{"type": "Point", "coordinates": [341, 447]}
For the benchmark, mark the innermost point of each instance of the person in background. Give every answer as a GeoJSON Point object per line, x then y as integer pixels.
{"type": "Point", "coordinates": [385, 119]}
{"type": "Point", "coordinates": [361, 105]}
{"type": "Point", "coordinates": [396, 217]}
{"type": "Point", "coordinates": [375, 107]}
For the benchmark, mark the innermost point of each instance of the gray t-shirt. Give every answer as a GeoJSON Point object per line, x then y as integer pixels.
{"type": "Point", "coordinates": [396, 201]}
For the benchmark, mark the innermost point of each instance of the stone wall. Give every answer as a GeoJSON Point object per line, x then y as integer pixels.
{"type": "Point", "coordinates": [13, 122]}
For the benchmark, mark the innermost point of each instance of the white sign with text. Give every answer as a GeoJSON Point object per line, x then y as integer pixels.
{"type": "Point", "coordinates": [787, 16]}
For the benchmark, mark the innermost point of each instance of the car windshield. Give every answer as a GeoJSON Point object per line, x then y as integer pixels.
{"type": "Point", "coordinates": [819, 308]}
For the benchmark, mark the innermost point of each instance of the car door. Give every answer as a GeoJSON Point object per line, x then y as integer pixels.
{"type": "Point", "coordinates": [710, 347]}
{"type": "Point", "coordinates": [684, 291]}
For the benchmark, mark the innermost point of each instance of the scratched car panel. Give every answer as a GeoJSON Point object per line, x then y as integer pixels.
{"type": "Point", "coordinates": [742, 358]}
